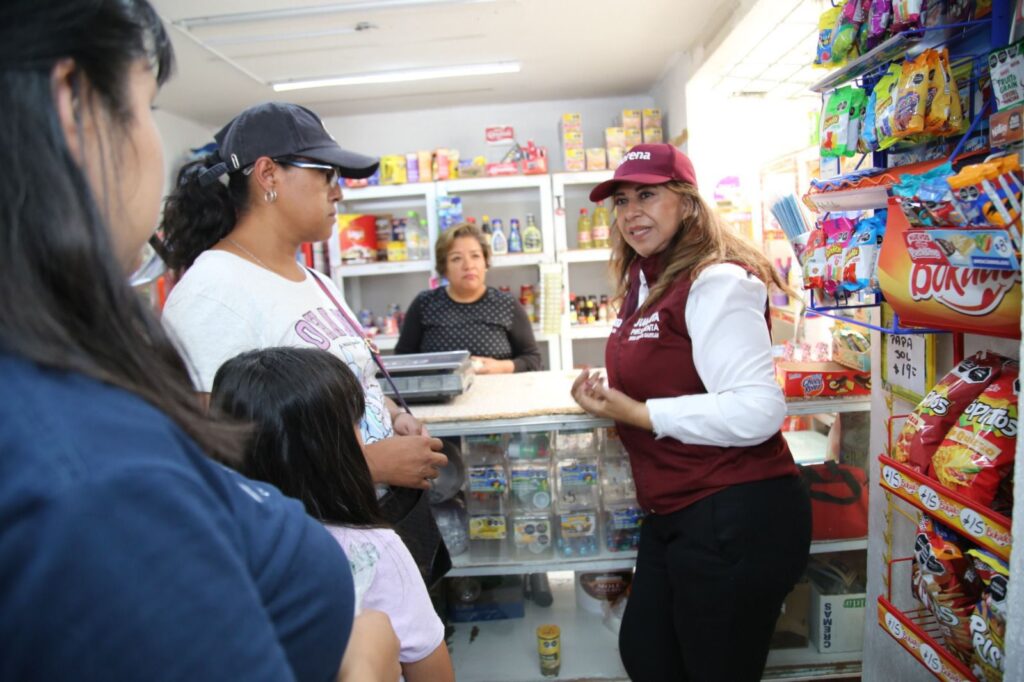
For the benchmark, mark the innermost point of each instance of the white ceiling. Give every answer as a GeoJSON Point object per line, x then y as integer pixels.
{"type": "Point", "coordinates": [568, 49]}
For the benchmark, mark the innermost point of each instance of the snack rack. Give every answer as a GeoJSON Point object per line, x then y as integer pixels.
{"type": "Point", "coordinates": [907, 493]}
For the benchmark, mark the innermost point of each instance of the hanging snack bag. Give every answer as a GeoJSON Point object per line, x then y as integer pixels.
{"type": "Point", "coordinates": [906, 15]}
{"type": "Point", "coordinates": [978, 451]}
{"type": "Point", "coordinates": [886, 91]}
{"type": "Point", "coordinates": [944, 580]}
{"type": "Point", "coordinates": [927, 426]}
{"type": "Point", "coordinates": [937, 199]}
{"type": "Point", "coordinates": [868, 141]}
{"type": "Point", "coordinates": [937, 111]}
{"type": "Point", "coordinates": [856, 11]}
{"type": "Point", "coordinates": [988, 620]}
{"type": "Point", "coordinates": [858, 103]}
{"type": "Point", "coordinates": [835, 124]}
{"type": "Point", "coordinates": [1006, 65]}
{"type": "Point", "coordinates": [955, 124]}
{"type": "Point", "coordinates": [837, 236]}
{"type": "Point", "coordinates": [912, 97]}
{"type": "Point", "coordinates": [814, 261]}
{"type": "Point", "coordinates": [861, 256]}
{"type": "Point", "coordinates": [906, 194]}
{"type": "Point", "coordinates": [981, 201]}
{"type": "Point", "coordinates": [827, 25]}
{"type": "Point", "coordinates": [878, 22]}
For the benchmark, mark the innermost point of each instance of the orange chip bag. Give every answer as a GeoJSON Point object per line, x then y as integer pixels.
{"type": "Point", "coordinates": [924, 429]}
{"type": "Point", "coordinates": [937, 111]}
{"type": "Point", "coordinates": [978, 451]}
{"type": "Point", "coordinates": [912, 96]}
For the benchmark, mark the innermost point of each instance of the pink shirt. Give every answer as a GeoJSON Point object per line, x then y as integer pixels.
{"type": "Point", "coordinates": [386, 579]}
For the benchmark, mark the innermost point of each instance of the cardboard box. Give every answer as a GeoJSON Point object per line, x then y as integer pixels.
{"type": "Point", "coordinates": [572, 139]}
{"type": "Point", "coordinates": [614, 137]}
{"type": "Point", "coordinates": [792, 629]}
{"type": "Point", "coordinates": [357, 236]}
{"type": "Point", "coordinates": [615, 155]}
{"type": "Point", "coordinates": [652, 118]}
{"type": "Point", "coordinates": [499, 597]}
{"type": "Point", "coordinates": [837, 621]}
{"type": "Point", "coordinates": [570, 121]}
{"type": "Point", "coordinates": [634, 136]}
{"type": "Point", "coordinates": [631, 118]}
{"type": "Point", "coordinates": [653, 135]}
{"type": "Point", "coordinates": [1007, 127]}
{"type": "Point", "coordinates": [575, 159]}
{"type": "Point", "coordinates": [820, 379]}
{"type": "Point", "coordinates": [597, 159]}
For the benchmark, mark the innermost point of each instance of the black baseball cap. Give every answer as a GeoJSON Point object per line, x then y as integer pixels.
{"type": "Point", "coordinates": [279, 129]}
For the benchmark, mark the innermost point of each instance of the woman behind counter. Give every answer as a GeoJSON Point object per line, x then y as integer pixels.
{"type": "Point", "coordinates": [467, 314]}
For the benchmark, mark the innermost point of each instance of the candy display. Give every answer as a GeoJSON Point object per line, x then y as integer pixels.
{"type": "Point", "coordinates": [578, 533]}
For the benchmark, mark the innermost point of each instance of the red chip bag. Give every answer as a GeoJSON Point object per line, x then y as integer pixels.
{"type": "Point", "coordinates": [944, 580]}
{"type": "Point", "coordinates": [924, 429]}
{"type": "Point", "coordinates": [988, 622]}
{"type": "Point", "coordinates": [978, 451]}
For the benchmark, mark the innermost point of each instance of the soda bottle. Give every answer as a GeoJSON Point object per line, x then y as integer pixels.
{"type": "Point", "coordinates": [486, 227]}
{"type": "Point", "coordinates": [584, 236]}
{"type": "Point", "coordinates": [412, 235]}
{"type": "Point", "coordinates": [533, 240]}
{"type": "Point", "coordinates": [515, 238]}
{"type": "Point", "coordinates": [601, 230]}
{"type": "Point", "coordinates": [499, 244]}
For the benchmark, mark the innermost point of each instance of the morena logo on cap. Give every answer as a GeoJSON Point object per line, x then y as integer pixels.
{"type": "Point", "coordinates": [637, 156]}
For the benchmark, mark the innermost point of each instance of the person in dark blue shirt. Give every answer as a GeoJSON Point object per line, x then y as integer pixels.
{"type": "Point", "coordinates": [126, 551]}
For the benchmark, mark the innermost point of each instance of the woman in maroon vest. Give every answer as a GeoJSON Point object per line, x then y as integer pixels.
{"type": "Point", "coordinates": [692, 391]}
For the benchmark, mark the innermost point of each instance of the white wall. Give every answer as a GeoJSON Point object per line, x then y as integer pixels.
{"type": "Point", "coordinates": [669, 94]}
{"type": "Point", "coordinates": [462, 128]}
{"type": "Point", "coordinates": [179, 136]}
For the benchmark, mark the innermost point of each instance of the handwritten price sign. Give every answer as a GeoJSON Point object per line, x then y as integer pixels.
{"type": "Point", "coordinates": [908, 362]}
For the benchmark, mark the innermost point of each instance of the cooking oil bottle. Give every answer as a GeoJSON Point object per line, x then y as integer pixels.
{"type": "Point", "coordinates": [601, 230]}
{"type": "Point", "coordinates": [584, 235]}
{"type": "Point", "coordinates": [533, 240]}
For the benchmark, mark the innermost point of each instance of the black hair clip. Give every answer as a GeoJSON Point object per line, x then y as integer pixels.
{"type": "Point", "coordinates": [212, 174]}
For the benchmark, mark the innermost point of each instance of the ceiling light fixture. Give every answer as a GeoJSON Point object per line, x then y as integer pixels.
{"type": "Point", "coordinates": [402, 76]}
{"type": "Point", "coordinates": [315, 11]}
{"type": "Point", "coordinates": [361, 27]}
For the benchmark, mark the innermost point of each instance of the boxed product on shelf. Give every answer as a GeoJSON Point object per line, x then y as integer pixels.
{"type": "Point", "coordinates": [595, 590]}
{"type": "Point", "coordinates": [597, 158]}
{"type": "Point", "coordinates": [651, 118]}
{"type": "Point", "coordinates": [574, 159]}
{"type": "Point", "coordinates": [633, 136]}
{"type": "Point", "coordinates": [622, 526]}
{"type": "Point", "coordinates": [487, 488]}
{"type": "Point", "coordinates": [495, 597]}
{"type": "Point", "coordinates": [532, 535]}
{"type": "Point", "coordinates": [393, 170]}
{"type": "Point", "coordinates": [578, 533]}
{"type": "Point", "coordinates": [617, 479]}
{"type": "Point", "coordinates": [531, 485]}
{"type": "Point", "coordinates": [851, 347]}
{"type": "Point", "coordinates": [615, 155]}
{"type": "Point", "coordinates": [837, 620]}
{"type": "Point", "coordinates": [487, 534]}
{"type": "Point", "coordinates": [630, 118]}
{"type": "Point", "coordinates": [652, 134]}
{"type": "Point", "coordinates": [357, 236]}
{"type": "Point", "coordinates": [820, 379]}
{"type": "Point", "coordinates": [576, 481]}
{"type": "Point", "coordinates": [614, 137]}
{"type": "Point", "coordinates": [587, 442]}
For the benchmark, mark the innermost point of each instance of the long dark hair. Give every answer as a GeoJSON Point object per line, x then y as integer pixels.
{"type": "Point", "coordinates": [304, 406]}
{"type": "Point", "coordinates": [64, 299]}
{"type": "Point", "coordinates": [197, 216]}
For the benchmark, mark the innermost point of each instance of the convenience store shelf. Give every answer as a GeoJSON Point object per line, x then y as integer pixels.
{"type": "Point", "coordinates": [583, 177]}
{"type": "Point", "coordinates": [796, 406]}
{"type": "Point", "coordinates": [492, 184]}
{"type": "Point", "coordinates": [411, 191]}
{"type": "Point", "coordinates": [467, 564]}
{"type": "Point", "coordinates": [919, 643]}
{"type": "Point", "coordinates": [517, 259]}
{"type": "Point", "coordinates": [881, 55]}
{"type": "Point", "coordinates": [808, 447]}
{"type": "Point", "coordinates": [856, 199]}
{"type": "Point", "coordinates": [382, 268]}
{"type": "Point", "coordinates": [590, 331]}
{"type": "Point", "coordinates": [976, 523]}
{"type": "Point", "coordinates": [486, 427]}
{"type": "Point", "coordinates": [506, 650]}
{"type": "Point", "coordinates": [585, 256]}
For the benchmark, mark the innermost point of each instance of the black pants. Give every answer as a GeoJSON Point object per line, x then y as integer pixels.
{"type": "Point", "coordinates": [710, 581]}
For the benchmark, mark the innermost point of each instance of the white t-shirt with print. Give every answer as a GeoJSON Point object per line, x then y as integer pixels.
{"type": "Point", "coordinates": [225, 305]}
{"type": "Point", "coordinates": [386, 579]}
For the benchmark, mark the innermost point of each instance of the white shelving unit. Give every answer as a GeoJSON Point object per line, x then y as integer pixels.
{"type": "Point", "coordinates": [569, 191]}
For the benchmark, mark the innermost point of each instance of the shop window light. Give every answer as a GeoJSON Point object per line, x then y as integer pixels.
{"type": "Point", "coordinates": [401, 76]}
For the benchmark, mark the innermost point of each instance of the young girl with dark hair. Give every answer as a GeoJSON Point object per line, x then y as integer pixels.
{"type": "Point", "coordinates": [126, 553]}
{"type": "Point", "coordinates": [304, 406]}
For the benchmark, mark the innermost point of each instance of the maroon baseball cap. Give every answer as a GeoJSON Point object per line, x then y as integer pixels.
{"type": "Point", "coordinates": [648, 164]}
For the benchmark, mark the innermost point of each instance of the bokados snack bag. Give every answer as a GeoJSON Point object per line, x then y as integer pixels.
{"type": "Point", "coordinates": [978, 451]}
{"type": "Point", "coordinates": [926, 427]}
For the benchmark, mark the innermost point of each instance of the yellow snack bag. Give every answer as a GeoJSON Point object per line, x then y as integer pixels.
{"type": "Point", "coordinates": [885, 93]}
{"type": "Point", "coordinates": [912, 97]}
{"type": "Point", "coordinates": [937, 110]}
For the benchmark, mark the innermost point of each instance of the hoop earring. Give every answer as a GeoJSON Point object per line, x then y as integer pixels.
{"type": "Point", "coordinates": [270, 196]}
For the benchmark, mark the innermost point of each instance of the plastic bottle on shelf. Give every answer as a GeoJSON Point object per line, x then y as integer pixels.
{"type": "Point", "coordinates": [584, 235]}
{"type": "Point", "coordinates": [499, 243]}
{"type": "Point", "coordinates": [591, 309]}
{"type": "Point", "coordinates": [601, 229]}
{"type": "Point", "coordinates": [424, 240]}
{"type": "Point", "coordinates": [573, 316]}
{"type": "Point", "coordinates": [412, 235]}
{"type": "Point", "coordinates": [486, 226]}
{"type": "Point", "coordinates": [515, 237]}
{"type": "Point", "coordinates": [533, 240]}
{"type": "Point", "coordinates": [602, 309]}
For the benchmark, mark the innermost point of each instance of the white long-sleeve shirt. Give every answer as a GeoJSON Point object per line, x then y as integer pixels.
{"type": "Point", "coordinates": [733, 356]}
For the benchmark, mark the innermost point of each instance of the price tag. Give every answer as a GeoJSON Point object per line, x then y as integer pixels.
{"type": "Point", "coordinates": [931, 658]}
{"type": "Point", "coordinates": [908, 361]}
{"type": "Point", "coordinates": [894, 625]}
{"type": "Point", "coordinates": [973, 522]}
{"type": "Point", "coordinates": [929, 498]}
{"type": "Point", "coordinates": [892, 477]}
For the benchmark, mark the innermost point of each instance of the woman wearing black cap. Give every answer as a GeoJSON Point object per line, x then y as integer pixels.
{"type": "Point", "coordinates": [691, 388]}
{"type": "Point", "coordinates": [242, 288]}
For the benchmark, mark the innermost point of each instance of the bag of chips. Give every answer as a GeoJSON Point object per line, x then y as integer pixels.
{"type": "Point", "coordinates": [978, 451]}
{"type": "Point", "coordinates": [878, 22]}
{"type": "Point", "coordinates": [837, 235]}
{"type": "Point", "coordinates": [988, 621]}
{"type": "Point", "coordinates": [814, 263]}
{"type": "Point", "coordinates": [829, 21]}
{"type": "Point", "coordinates": [861, 254]}
{"type": "Point", "coordinates": [858, 103]}
{"type": "Point", "coordinates": [944, 580]}
{"type": "Point", "coordinates": [906, 15]}
{"type": "Point", "coordinates": [912, 97]}
{"type": "Point", "coordinates": [835, 123]}
{"type": "Point", "coordinates": [886, 91]}
{"type": "Point", "coordinates": [937, 109]}
{"type": "Point", "coordinates": [926, 427]}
